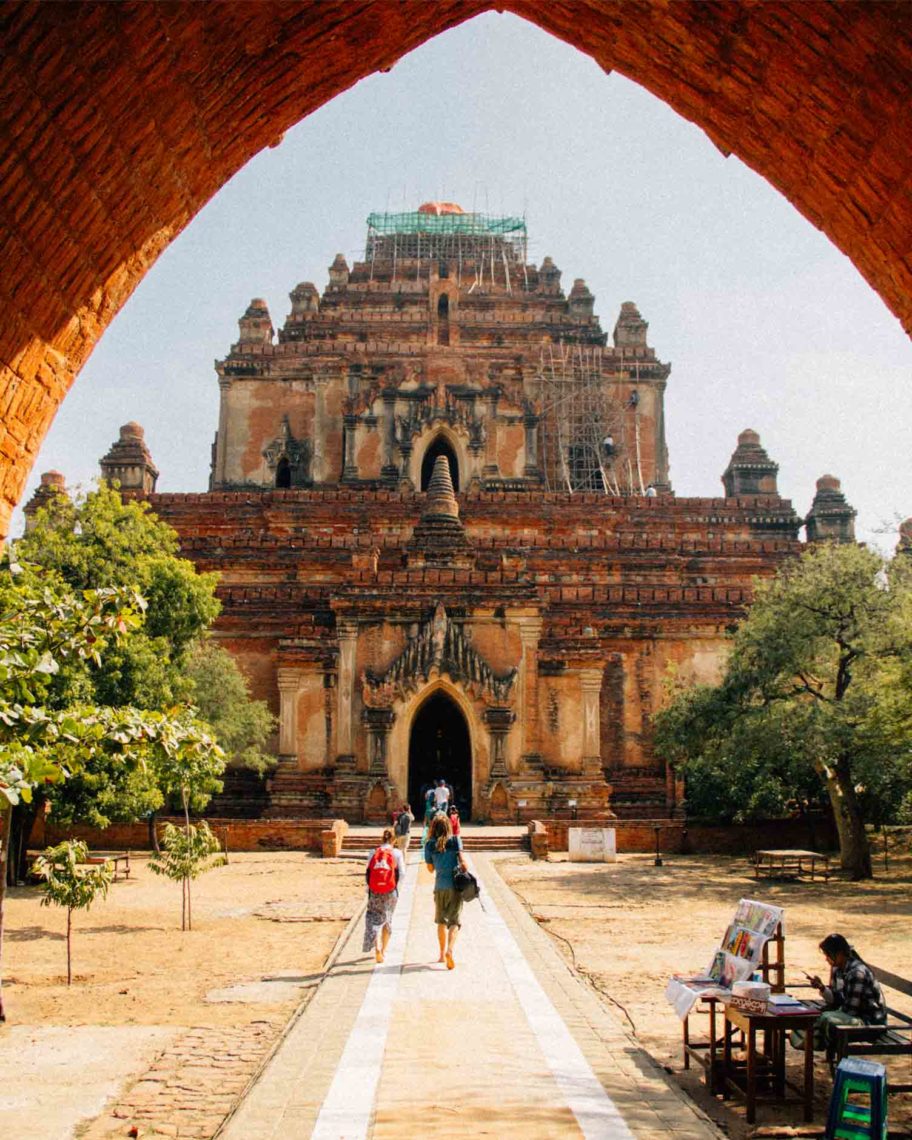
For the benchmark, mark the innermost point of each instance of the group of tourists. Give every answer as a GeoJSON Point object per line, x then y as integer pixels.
{"type": "Point", "coordinates": [386, 869]}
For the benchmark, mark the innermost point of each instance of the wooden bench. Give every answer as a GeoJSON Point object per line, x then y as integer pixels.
{"type": "Point", "coordinates": [891, 1040]}
{"type": "Point", "coordinates": [120, 859]}
{"type": "Point", "coordinates": [790, 864]}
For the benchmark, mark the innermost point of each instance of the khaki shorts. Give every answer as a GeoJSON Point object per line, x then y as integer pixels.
{"type": "Point", "coordinates": [447, 907]}
{"type": "Point", "coordinates": [402, 842]}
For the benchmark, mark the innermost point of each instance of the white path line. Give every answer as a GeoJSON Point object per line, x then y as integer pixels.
{"type": "Point", "coordinates": [596, 1113]}
{"type": "Point", "coordinates": [347, 1109]}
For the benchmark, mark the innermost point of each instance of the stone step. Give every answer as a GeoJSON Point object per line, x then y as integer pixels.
{"type": "Point", "coordinates": [362, 842]}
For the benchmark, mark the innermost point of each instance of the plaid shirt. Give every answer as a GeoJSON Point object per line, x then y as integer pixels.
{"type": "Point", "coordinates": [855, 990]}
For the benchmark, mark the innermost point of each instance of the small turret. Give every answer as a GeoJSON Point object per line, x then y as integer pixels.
{"type": "Point", "coordinates": [439, 538]}
{"type": "Point", "coordinates": [630, 329]}
{"type": "Point", "coordinates": [129, 462]}
{"type": "Point", "coordinates": [750, 470]}
{"type": "Point", "coordinates": [549, 276]}
{"type": "Point", "coordinates": [339, 271]}
{"type": "Point", "coordinates": [52, 483]}
{"type": "Point", "coordinates": [256, 324]}
{"type": "Point", "coordinates": [831, 518]}
{"type": "Point", "coordinates": [581, 300]}
{"type": "Point", "coordinates": [304, 299]}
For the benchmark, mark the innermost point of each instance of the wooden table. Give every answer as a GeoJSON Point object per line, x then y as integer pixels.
{"type": "Point", "coordinates": [767, 1065]}
{"type": "Point", "coordinates": [790, 864]}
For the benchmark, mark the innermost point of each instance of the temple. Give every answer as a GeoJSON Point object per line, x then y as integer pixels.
{"type": "Point", "coordinates": [448, 543]}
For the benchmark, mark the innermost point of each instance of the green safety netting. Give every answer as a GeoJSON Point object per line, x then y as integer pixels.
{"type": "Point", "coordinates": [414, 222]}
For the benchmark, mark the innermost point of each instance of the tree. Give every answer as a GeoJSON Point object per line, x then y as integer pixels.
{"type": "Point", "coordinates": [815, 694]}
{"type": "Point", "coordinates": [41, 632]}
{"type": "Point", "coordinates": [185, 854]}
{"type": "Point", "coordinates": [69, 882]}
{"type": "Point", "coordinates": [241, 726]}
{"type": "Point", "coordinates": [99, 541]}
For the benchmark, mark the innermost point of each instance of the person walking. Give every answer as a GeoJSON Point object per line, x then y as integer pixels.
{"type": "Point", "coordinates": [453, 813]}
{"type": "Point", "coordinates": [441, 796]}
{"type": "Point", "coordinates": [403, 828]}
{"type": "Point", "coordinates": [442, 854]}
{"type": "Point", "coordinates": [384, 870]}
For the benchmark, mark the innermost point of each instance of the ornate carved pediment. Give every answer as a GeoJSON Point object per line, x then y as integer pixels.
{"type": "Point", "coordinates": [440, 646]}
{"type": "Point", "coordinates": [296, 452]}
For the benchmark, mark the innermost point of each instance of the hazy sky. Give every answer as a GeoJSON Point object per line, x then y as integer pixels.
{"type": "Point", "coordinates": [765, 323]}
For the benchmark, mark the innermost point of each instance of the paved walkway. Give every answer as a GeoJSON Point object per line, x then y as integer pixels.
{"type": "Point", "coordinates": [508, 1044]}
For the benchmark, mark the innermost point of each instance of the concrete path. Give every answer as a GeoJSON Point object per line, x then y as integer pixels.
{"type": "Point", "coordinates": [509, 1044]}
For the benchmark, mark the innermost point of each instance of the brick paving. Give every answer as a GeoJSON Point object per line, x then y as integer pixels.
{"type": "Point", "coordinates": [191, 1087]}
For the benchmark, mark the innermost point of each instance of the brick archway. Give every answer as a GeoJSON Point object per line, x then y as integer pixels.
{"type": "Point", "coordinates": [120, 121]}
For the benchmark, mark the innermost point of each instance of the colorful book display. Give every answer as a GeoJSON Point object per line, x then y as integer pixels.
{"type": "Point", "coordinates": [738, 956]}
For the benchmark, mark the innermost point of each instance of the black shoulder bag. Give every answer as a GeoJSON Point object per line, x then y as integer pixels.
{"type": "Point", "coordinates": [465, 883]}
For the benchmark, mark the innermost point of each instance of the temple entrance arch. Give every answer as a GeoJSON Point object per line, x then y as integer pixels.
{"type": "Point", "coordinates": [439, 748]}
{"type": "Point", "coordinates": [440, 446]}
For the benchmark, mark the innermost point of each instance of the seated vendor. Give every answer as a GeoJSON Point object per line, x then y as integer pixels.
{"type": "Point", "coordinates": [853, 996]}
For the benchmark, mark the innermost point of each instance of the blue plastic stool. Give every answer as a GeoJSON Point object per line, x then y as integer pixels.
{"type": "Point", "coordinates": [858, 1106]}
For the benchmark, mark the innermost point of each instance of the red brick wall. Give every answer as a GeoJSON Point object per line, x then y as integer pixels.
{"type": "Point", "coordinates": [242, 834]}
{"type": "Point", "coordinates": [638, 835]}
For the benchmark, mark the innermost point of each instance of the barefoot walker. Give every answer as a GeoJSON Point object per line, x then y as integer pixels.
{"type": "Point", "coordinates": [384, 870]}
{"type": "Point", "coordinates": [442, 854]}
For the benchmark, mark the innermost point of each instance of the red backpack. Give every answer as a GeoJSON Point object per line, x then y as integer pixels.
{"type": "Point", "coordinates": [381, 871]}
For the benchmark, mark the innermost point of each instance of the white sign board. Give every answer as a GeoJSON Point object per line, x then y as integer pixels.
{"type": "Point", "coordinates": [592, 844]}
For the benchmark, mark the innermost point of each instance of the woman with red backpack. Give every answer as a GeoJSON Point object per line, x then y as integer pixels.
{"type": "Point", "coordinates": [384, 870]}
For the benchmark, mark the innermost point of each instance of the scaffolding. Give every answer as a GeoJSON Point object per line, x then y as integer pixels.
{"type": "Point", "coordinates": [485, 245]}
{"type": "Point", "coordinates": [584, 425]}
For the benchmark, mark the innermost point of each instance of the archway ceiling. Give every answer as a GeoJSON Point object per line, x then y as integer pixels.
{"type": "Point", "coordinates": [120, 121]}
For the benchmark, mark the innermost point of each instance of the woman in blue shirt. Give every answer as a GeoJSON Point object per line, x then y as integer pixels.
{"type": "Point", "coordinates": [442, 854]}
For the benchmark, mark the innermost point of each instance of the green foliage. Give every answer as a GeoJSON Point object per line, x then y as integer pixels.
{"type": "Point", "coordinates": [100, 541]}
{"type": "Point", "coordinates": [69, 883]}
{"type": "Point", "coordinates": [242, 726]}
{"type": "Point", "coordinates": [816, 697]}
{"type": "Point", "coordinates": [186, 852]}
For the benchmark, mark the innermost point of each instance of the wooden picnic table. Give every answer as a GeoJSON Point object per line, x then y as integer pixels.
{"type": "Point", "coordinates": [790, 863]}
{"type": "Point", "coordinates": [120, 859]}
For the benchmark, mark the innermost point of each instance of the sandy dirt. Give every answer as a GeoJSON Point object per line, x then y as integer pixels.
{"type": "Point", "coordinates": [263, 927]}
{"type": "Point", "coordinates": [630, 925]}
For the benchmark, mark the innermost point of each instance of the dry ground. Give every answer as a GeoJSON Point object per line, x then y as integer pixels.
{"type": "Point", "coordinates": [144, 993]}
{"type": "Point", "coordinates": [631, 925]}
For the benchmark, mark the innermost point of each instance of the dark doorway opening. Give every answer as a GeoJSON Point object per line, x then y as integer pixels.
{"type": "Point", "coordinates": [439, 750]}
{"type": "Point", "coordinates": [283, 473]}
{"type": "Point", "coordinates": [443, 320]}
{"type": "Point", "coordinates": [439, 447]}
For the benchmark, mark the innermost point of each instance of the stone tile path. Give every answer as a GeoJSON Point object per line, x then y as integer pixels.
{"type": "Point", "coordinates": [508, 1044]}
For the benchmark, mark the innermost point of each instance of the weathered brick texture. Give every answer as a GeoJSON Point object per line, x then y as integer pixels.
{"type": "Point", "coordinates": [120, 121]}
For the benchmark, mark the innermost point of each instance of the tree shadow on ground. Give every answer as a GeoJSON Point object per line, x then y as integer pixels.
{"type": "Point", "coordinates": [32, 934]}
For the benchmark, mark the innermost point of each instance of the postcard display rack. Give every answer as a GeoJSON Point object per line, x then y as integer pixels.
{"type": "Point", "coordinates": [754, 944]}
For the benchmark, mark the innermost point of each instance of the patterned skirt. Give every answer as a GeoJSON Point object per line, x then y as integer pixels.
{"type": "Point", "coordinates": [379, 913]}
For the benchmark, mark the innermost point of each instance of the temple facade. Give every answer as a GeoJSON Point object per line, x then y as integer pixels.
{"type": "Point", "coordinates": [448, 543]}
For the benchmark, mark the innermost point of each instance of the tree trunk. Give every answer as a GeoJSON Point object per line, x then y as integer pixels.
{"type": "Point", "coordinates": [186, 800]}
{"type": "Point", "coordinates": [24, 816]}
{"type": "Point", "coordinates": [153, 833]}
{"type": "Point", "coordinates": [6, 815]}
{"type": "Point", "coordinates": [69, 946]}
{"type": "Point", "coordinates": [854, 849]}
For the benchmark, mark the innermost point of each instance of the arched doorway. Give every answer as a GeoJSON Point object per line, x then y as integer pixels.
{"type": "Point", "coordinates": [439, 447]}
{"type": "Point", "coordinates": [439, 748]}
{"type": "Point", "coordinates": [283, 473]}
